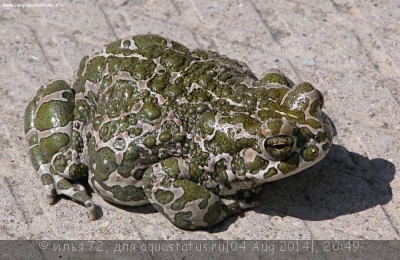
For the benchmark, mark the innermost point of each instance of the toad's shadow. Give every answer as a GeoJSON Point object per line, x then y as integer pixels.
{"type": "Point", "coordinates": [343, 183]}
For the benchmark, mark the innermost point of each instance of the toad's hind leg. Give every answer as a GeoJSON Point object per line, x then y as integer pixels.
{"type": "Point", "coordinates": [184, 202]}
{"type": "Point", "coordinates": [55, 142]}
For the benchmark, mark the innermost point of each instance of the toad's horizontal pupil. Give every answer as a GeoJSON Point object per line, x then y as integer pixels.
{"type": "Point", "coordinates": [281, 146]}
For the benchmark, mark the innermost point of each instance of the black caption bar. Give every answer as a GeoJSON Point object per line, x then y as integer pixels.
{"type": "Point", "coordinates": [199, 249]}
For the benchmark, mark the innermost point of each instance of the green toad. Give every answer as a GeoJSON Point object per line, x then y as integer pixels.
{"type": "Point", "coordinates": [194, 133]}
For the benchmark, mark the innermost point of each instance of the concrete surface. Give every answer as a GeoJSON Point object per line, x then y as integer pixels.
{"type": "Point", "coordinates": [350, 50]}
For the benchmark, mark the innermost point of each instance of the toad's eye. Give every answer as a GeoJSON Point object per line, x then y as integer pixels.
{"type": "Point", "coordinates": [279, 147]}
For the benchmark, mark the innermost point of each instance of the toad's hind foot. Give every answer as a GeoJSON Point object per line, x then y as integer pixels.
{"type": "Point", "coordinates": [77, 193]}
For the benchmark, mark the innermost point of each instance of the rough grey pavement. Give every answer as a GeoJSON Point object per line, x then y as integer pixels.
{"type": "Point", "coordinates": [350, 50]}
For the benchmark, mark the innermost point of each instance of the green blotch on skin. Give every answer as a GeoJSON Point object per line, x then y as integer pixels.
{"type": "Point", "coordinates": [313, 123]}
{"type": "Point", "coordinates": [97, 123]}
{"type": "Point", "coordinates": [114, 65]}
{"type": "Point", "coordinates": [171, 167]}
{"type": "Point", "coordinates": [79, 84]}
{"type": "Point", "coordinates": [53, 114]}
{"type": "Point", "coordinates": [150, 46]}
{"type": "Point", "coordinates": [130, 160]}
{"type": "Point", "coordinates": [173, 91]}
{"type": "Point", "coordinates": [116, 48]}
{"type": "Point", "coordinates": [220, 171]}
{"type": "Point", "coordinates": [265, 114]}
{"type": "Point", "coordinates": [63, 185]}
{"type": "Point", "coordinates": [250, 124]}
{"type": "Point", "coordinates": [239, 166]}
{"type": "Point", "coordinates": [206, 123]}
{"type": "Point", "coordinates": [77, 141]}
{"type": "Point", "coordinates": [111, 129]}
{"type": "Point", "coordinates": [179, 47]}
{"type": "Point", "coordinates": [165, 137]}
{"type": "Point", "coordinates": [275, 77]}
{"type": "Point", "coordinates": [80, 196]}
{"type": "Point", "coordinates": [175, 61]}
{"type": "Point", "coordinates": [181, 219]}
{"type": "Point", "coordinates": [52, 170]}
{"type": "Point", "coordinates": [213, 214]}
{"type": "Point", "coordinates": [275, 94]}
{"type": "Point", "coordinates": [159, 82]}
{"type": "Point", "coordinates": [199, 95]}
{"type": "Point", "coordinates": [82, 111]}
{"type": "Point", "coordinates": [224, 91]}
{"type": "Point", "coordinates": [52, 144]}
{"type": "Point", "coordinates": [54, 86]}
{"type": "Point", "coordinates": [152, 51]}
{"type": "Point", "coordinates": [299, 95]}
{"type": "Point", "coordinates": [256, 165]}
{"type": "Point", "coordinates": [144, 41]}
{"type": "Point", "coordinates": [37, 158]}
{"type": "Point", "coordinates": [78, 171]}
{"type": "Point", "coordinates": [164, 196]}
{"type": "Point", "coordinates": [201, 53]}
{"type": "Point", "coordinates": [60, 163]}
{"type": "Point", "coordinates": [271, 172]}
{"type": "Point", "coordinates": [128, 193]}
{"type": "Point", "coordinates": [147, 158]}
{"type": "Point", "coordinates": [295, 115]}
{"type": "Point", "coordinates": [106, 132]}
{"type": "Point", "coordinates": [150, 111]}
{"type": "Point", "coordinates": [275, 126]}
{"type": "Point", "coordinates": [178, 137]}
{"type": "Point", "coordinates": [135, 131]}
{"type": "Point", "coordinates": [149, 141]}
{"type": "Point", "coordinates": [95, 68]}
{"type": "Point", "coordinates": [29, 116]}
{"type": "Point", "coordinates": [104, 160]}
{"type": "Point", "coordinates": [310, 153]}
{"type": "Point", "coordinates": [139, 69]}
{"type": "Point", "coordinates": [303, 136]}
{"type": "Point", "coordinates": [321, 136]}
{"type": "Point", "coordinates": [304, 87]}
{"type": "Point", "coordinates": [289, 164]}
{"type": "Point", "coordinates": [204, 80]}
{"type": "Point", "coordinates": [221, 143]}
{"type": "Point", "coordinates": [192, 192]}
{"type": "Point", "coordinates": [148, 181]}
{"type": "Point", "coordinates": [47, 179]}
